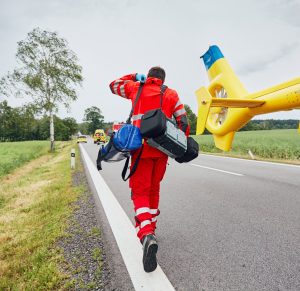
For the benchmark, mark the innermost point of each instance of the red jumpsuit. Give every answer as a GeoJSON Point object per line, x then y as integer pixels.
{"type": "Point", "coordinates": [145, 183]}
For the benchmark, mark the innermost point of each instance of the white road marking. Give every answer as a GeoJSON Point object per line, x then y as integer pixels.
{"type": "Point", "coordinates": [253, 161]}
{"type": "Point", "coordinates": [125, 235]}
{"type": "Point", "coordinates": [218, 170]}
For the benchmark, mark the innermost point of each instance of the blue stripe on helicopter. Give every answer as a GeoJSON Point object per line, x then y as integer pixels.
{"type": "Point", "coordinates": [212, 55]}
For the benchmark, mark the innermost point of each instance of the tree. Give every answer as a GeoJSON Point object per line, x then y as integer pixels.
{"type": "Point", "coordinates": [95, 119]}
{"type": "Point", "coordinates": [71, 124]}
{"type": "Point", "coordinates": [6, 120]}
{"type": "Point", "coordinates": [192, 118]}
{"type": "Point", "coordinates": [64, 128]}
{"type": "Point", "coordinates": [27, 123]}
{"type": "Point", "coordinates": [48, 74]}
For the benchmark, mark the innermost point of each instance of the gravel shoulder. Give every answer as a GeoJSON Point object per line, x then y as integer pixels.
{"type": "Point", "coordinates": [82, 246]}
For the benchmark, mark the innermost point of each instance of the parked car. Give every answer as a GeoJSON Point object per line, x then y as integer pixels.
{"type": "Point", "coordinates": [81, 138]}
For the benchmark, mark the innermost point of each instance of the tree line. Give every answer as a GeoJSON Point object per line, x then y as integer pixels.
{"type": "Point", "coordinates": [23, 123]}
{"type": "Point", "coordinates": [269, 124]}
{"type": "Point", "coordinates": [20, 123]}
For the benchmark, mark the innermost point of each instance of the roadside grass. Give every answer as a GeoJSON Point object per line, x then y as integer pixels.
{"type": "Point", "coordinates": [35, 203]}
{"type": "Point", "coordinates": [281, 144]}
{"type": "Point", "coordinates": [15, 154]}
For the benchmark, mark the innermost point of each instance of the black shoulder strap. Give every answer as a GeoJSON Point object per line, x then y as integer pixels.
{"type": "Point", "coordinates": [134, 167]}
{"type": "Point", "coordinates": [163, 89]}
{"type": "Point", "coordinates": [128, 121]}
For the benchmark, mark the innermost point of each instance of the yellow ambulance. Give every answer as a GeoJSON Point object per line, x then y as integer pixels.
{"type": "Point", "coordinates": [99, 136]}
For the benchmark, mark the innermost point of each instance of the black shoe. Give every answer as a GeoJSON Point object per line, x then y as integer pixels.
{"type": "Point", "coordinates": [150, 249]}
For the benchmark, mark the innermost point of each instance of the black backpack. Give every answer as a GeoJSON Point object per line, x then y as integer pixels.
{"type": "Point", "coordinates": [154, 122]}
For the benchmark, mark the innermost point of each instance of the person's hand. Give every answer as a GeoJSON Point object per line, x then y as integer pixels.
{"type": "Point", "coordinates": [140, 77]}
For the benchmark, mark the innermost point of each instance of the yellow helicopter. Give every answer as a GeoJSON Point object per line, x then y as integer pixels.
{"type": "Point", "coordinates": [225, 105]}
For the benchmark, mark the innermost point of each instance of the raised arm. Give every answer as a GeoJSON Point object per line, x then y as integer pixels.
{"type": "Point", "coordinates": [123, 86]}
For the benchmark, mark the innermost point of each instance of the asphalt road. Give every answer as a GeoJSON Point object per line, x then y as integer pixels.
{"type": "Point", "coordinates": [225, 224]}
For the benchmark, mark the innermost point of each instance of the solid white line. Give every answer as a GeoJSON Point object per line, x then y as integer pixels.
{"type": "Point", "coordinates": [218, 170]}
{"type": "Point", "coordinates": [253, 161]}
{"type": "Point", "coordinates": [125, 235]}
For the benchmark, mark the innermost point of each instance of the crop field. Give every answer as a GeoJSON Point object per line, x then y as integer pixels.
{"type": "Point", "coordinates": [268, 144]}
{"type": "Point", "coordinates": [15, 154]}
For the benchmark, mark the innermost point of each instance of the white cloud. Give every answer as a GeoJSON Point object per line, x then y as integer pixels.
{"type": "Point", "coordinates": [265, 61]}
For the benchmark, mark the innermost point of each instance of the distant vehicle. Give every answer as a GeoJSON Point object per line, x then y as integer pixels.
{"type": "Point", "coordinates": [117, 125]}
{"type": "Point", "coordinates": [81, 138]}
{"type": "Point", "coordinates": [99, 136]}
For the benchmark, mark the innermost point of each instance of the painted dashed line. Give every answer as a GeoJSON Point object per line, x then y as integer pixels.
{"type": "Point", "coordinates": [218, 170]}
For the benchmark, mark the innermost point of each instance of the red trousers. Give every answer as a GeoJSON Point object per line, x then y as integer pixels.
{"type": "Point", "coordinates": [145, 185]}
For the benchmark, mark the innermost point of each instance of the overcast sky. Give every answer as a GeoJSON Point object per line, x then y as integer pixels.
{"type": "Point", "coordinates": [112, 38]}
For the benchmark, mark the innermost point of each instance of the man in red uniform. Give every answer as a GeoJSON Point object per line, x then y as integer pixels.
{"type": "Point", "coordinates": [145, 183]}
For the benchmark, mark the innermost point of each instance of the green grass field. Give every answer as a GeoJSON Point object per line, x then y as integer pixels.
{"type": "Point", "coordinates": [268, 144]}
{"type": "Point", "coordinates": [15, 154]}
{"type": "Point", "coordinates": [35, 205]}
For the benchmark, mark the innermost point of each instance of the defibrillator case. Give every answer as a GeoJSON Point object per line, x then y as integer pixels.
{"type": "Point", "coordinates": [163, 134]}
{"type": "Point", "coordinates": [191, 153]}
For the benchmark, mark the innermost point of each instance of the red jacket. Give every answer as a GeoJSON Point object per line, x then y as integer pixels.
{"type": "Point", "coordinates": [127, 87]}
